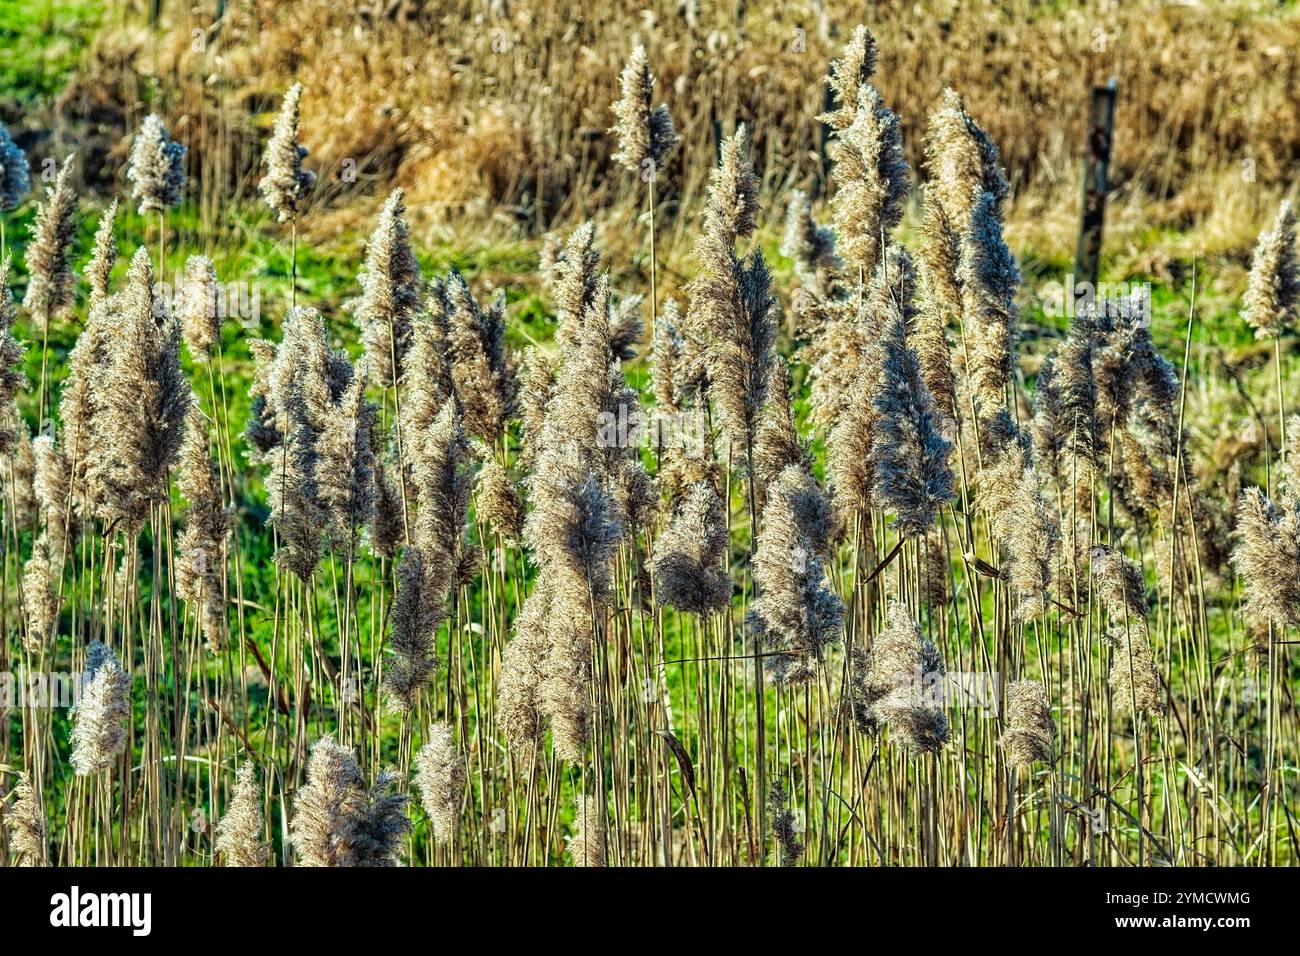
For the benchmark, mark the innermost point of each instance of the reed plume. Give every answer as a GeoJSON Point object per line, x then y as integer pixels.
{"type": "Point", "coordinates": [440, 776]}
{"type": "Point", "coordinates": [587, 845]}
{"type": "Point", "coordinates": [49, 274]}
{"type": "Point", "coordinates": [576, 273]}
{"type": "Point", "coordinates": [199, 308]}
{"type": "Point", "coordinates": [40, 596]}
{"type": "Point", "coordinates": [101, 713]}
{"type": "Point", "coordinates": [963, 165]}
{"type": "Point", "coordinates": [103, 258]}
{"type": "Point", "coordinates": [200, 564]}
{"type": "Point", "coordinates": [15, 174]}
{"type": "Point", "coordinates": [855, 67]}
{"type": "Point", "coordinates": [989, 277]}
{"type": "Point", "coordinates": [796, 614]}
{"type": "Point", "coordinates": [645, 132]}
{"type": "Point", "coordinates": [812, 248]}
{"type": "Point", "coordinates": [1134, 680]}
{"type": "Point", "coordinates": [1030, 735]}
{"type": "Point", "coordinates": [901, 670]}
{"type": "Point", "coordinates": [346, 469]}
{"type": "Point", "coordinates": [12, 377]}
{"type": "Point", "coordinates": [286, 185]}
{"type": "Point", "coordinates": [499, 504]}
{"type": "Point", "coordinates": [1273, 285]}
{"type": "Point", "coordinates": [1267, 556]}
{"type": "Point", "coordinates": [783, 824]}
{"type": "Point", "coordinates": [688, 566]}
{"type": "Point", "coordinates": [338, 820]}
{"type": "Point", "coordinates": [390, 293]}
{"type": "Point", "coordinates": [157, 167]}
{"type": "Point", "coordinates": [28, 841]}
{"type": "Point", "coordinates": [145, 400]}
{"type": "Point", "coordinates": [418, 609]}
{"type": "Point", "coordinates": [523, 669]}
{"type": "Point", "coordinates": [776, 440]}
{"type": "Point", "coordinates": [239, 832]}
{"type": "Point", "coordinates": [481, 367]}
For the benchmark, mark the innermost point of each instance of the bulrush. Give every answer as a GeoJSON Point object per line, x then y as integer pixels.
{"type": "Point", "coordinates": [199, 309]}
{"type": "Point", "coordinates": [1267, 556]}
{"type": "Point", "coordinates": [390, 293]}
{"type": "Point", "coordinates": [239, 832]}
{"type": "Point", "coordinates": [901, 669]}
{"type": "Point", "coordinates": [100, 716]}
{"type": "Point", "coordinates": [731, 301]}
{"type": "Point", "coordinates": [338, 820]}
{"type": "Point", "coordinates": [871, 177]}
{"type": "Point", "coordinates": [811, 246]}
{"type": "Point", "coordinates": [12, 377]}
{"type": "Point", "coordinates": [1273, 286]}
{"type": "Point", "coordinates": [481, 367]}
{"type": "Point", "coordinates": [15, 174]}
{"type": "Point", "coordinates": [286, 187]}
{"type": "Point", "coordinates": [157, 168]}
{"type": "Point", "coordinates": [796, 614]}
{"type": "Point", "coordinates": [40, 596]}
{"type": "Point", "coordinates": [440, 777]}
{"type": "Point", "coordinates": [1030, 734]}
{"type": "Point", "coordinates": [201, 562]}
{"type": "Point", "coordinates": [145, 398]}
{"type": "Point", "coordinates": [28, 841]}
{"type": "Point", "coordinates": [587, 845]}
{"type": "Point", "coordinates": [688, 566]}
{"type": "Point", "coordinates": [912, 476]}
{"type": "Point", "coordinates": [49, 274]}
{"type": "Point", "coordinates": [645, 132]}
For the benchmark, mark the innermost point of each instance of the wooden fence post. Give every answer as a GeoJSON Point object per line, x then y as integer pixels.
{"type": "Point", "coordinates": [1101, 122]}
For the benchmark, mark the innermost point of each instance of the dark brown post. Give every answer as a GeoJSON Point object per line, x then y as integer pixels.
{"type": "Point", "coordinates": [1101, 122]}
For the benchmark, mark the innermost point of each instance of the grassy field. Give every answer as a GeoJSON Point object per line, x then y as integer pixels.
{"type": "Point", "coordinates": [447, 622]}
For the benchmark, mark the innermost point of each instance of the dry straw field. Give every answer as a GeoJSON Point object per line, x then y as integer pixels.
{"type": "Point", "coordinates": [517, 434]}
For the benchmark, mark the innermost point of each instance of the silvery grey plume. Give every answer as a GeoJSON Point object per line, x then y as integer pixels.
{"type": "Point", "coordinates": [200, 562]}
{"type": "Point", "coordinates": [262, 432]}
{"type": "Point", "coordinates": [299, 400]}
{"type": "Point", "coordinates": [199, 307]}
{"type": "Point", "coordinates": [338, 820]}
{"type": "Point", "coordinates": [689, 564]}
{"type": "Point", "coordinates": [1273, 286]}
{"type": "Point", "coordinates": [144, 401]}
{"type": "Point", "coordinates": [346, 470]}
{"type": "Point", "coordinates": [963, 164]}
{"type": "Point", "coordinates": [587, 845]}
{"type": "Point", "coordinates": [855, 67]}
{"type": "Point", "coordinates": [645, 131]}
{"type": "Point", "coordinates": [417, 611]}
{"type": "Point", "coordinates": [777, 444]}
{"type": "Point", "coordinates": [388, 523]}
{"type": "Point", "coordinates": [49, 274]}
{"type": "Point", "coordinates": [28, 841]}
{"type": "Point", "coordinates": [903, 668]}
{"type": "Point", "coordinates": [40, 596]}
{"type": "Point", "coordinates": [15, 179]}
{"type": "Point", "coordinates": [913, 479]}
{"type": "Point", "coordinates": [482, 368]}
{"type": "Point", "coordinates": [872, 182]}
{"type": "Point", "coordinates": [440, 777]}
{"type": "Point", "coordinates": [577, 272]}
{"type": "Point", "coordinates": [101, 712]}
{"type": "Point", "coordinates": [12, 377]}
{"type": "Point", "coordinates": [427, 377]}
{"type": "Point", "coordinates": [239, 832]}
{"type": "Point", "coordinates": [1267, 556]}
{"type": "Point", "coordinates": [103, 258]}
{"type": "Point", "coordinates": [731, 300]}
{"type": "Point", "coordinates": [157, 168]}
{"type": "Point", "coordinates": [989, 277]}
{"type": "Point", "coordinates": [811, 246]}
{"type": "Point", "coordinates": [796, 614]}
{"type": "Point", "coordinates": [390, 293]}
{"type": "Point", "coordinates": [286, 185]}
{"type": "Point", "coordinates": [1030, 734]}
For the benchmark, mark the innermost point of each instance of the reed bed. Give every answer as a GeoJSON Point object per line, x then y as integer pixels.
{"type": "Point", "coordinates": [709, 575]}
